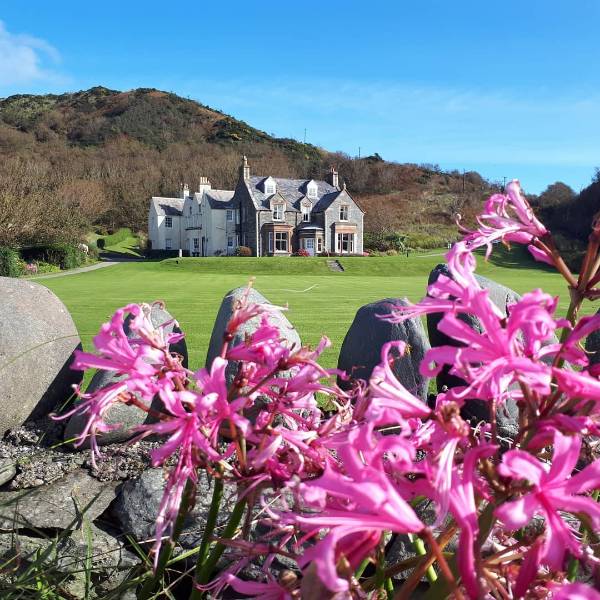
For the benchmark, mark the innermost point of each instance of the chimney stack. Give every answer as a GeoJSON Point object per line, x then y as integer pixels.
{"type": "Point", "coordinates": [245, 169]}
{"type": "Point", "coordinates": [333, 177]}
{"type": "Point", "coordinates": [185, 190]}
{"type": "Point", "coordinates": [204, 185]}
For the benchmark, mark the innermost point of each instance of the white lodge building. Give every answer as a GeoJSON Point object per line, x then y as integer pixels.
{"type": "Point", "coordinates": [202, 223]}
{"type": "Point", "coordinates": [271, 216]}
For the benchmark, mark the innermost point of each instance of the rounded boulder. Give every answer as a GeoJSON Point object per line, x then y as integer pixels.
{"type": "Point", "coordinates": [37, 341]}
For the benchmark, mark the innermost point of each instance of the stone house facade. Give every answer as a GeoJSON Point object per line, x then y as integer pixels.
{"type": "Point", "coordinates": [282, 216]}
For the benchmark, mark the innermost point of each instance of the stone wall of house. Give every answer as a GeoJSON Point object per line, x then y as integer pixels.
{"type": "Point", "coordinates": [355, 216]}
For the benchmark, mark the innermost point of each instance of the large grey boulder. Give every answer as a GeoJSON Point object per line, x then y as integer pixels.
{"type": "Point", "coordinates": [139, 502]}
{"type": "Point", "coordinates": [125, 416]}
{"type": "Point", "coordinates": [7, 470]}
{"type": "Point", "coordinates": [63, 504]}
{"type": "Point", "coordinates": [37, 340]}
{"type": "Point", "coordinates": [287, 331]}
{"type": "Point", "coordinates": [507, 416]}
{"type": "Point", "coordinates": [361, 349]}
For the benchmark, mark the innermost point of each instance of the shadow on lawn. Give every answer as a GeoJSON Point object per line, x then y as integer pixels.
{"type": "Point", "coordinates": [518, 257]}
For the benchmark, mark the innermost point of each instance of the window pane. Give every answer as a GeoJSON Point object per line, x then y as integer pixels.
{"type": "Point", "coordinates": [281, 241]}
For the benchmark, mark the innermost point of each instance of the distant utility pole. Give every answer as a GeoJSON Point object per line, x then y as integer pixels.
{"type": "Point", "coordinates": [305, 136]}
{"type": "Point", "coordinates": [503, 183]}
{"type": "Point", "coordinates": [359, 152]}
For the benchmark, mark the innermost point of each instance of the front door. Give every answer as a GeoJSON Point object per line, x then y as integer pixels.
{"type": "Point", "coordinates": [309, 245]}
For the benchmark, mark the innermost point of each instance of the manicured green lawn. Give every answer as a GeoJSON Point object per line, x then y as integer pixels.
{"type": "Point", "coordinates": [320, 301]}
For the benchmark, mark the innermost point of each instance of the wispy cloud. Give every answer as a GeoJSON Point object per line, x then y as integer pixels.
{"type": "Point", "coordinates": [25, 59]}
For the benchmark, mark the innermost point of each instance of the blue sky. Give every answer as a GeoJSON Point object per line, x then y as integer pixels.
{"type": "Point", "coordinates": [510, 89]}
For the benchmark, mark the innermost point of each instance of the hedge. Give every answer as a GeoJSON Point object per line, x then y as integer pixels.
{"type": "Point", "coordinates": [10, 265]}
{"type": "Point", "coordinates": [66, 256]}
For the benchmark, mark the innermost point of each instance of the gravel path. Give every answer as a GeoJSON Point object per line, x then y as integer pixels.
{"type": "Point", "coordinates": [99, 265]}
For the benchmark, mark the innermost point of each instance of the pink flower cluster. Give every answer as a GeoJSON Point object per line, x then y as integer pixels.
{"type": "Point", "coordinates": [335, 485]}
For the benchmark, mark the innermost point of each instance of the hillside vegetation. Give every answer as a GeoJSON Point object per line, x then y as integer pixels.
{"type": "Point", "coordinates": [92, 159]}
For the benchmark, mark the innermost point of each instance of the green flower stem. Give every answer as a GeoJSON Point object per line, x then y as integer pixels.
{"type": "Point", "coordinates": [389, 588]}
{"type": "Point", "coordinates": [573, 567]}
{"type": "Point", "coordinates": [211, 522]}
{"type": "Point", "coordinates": [211, 562]}
{"type": "Point", "coordinates": [361, 568]}
{"type": "Point", "coordinates": [420, 550]}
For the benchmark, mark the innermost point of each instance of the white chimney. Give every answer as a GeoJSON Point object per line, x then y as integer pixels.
{"type": "Point", "coordinates": [333, 177]}
{"type": "Point", "coordinates": [204, 185]}
{"type": "Point", "coordinates": [185, 191]}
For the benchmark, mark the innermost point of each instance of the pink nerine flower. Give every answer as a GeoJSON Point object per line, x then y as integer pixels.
{"type": "Point", "coordinates": [390, 401]}
{"type": "Point", "coordinates": [143, 361]}
{"type": "Point", "coordinates": [356, 503]}
{"type": "Point", "coordinates": [574, 591]}
{"type": "Point", "coordinates": [553, 489]}
{"type": "Point", "coordinates": [508, 217]}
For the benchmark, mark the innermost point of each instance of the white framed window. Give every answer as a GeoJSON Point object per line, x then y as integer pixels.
{"type": "Point", "coordinates": [345, 243]}
{"type": "Point", "coordinates": [278, 241]}
{"type": "Point", "coordinates": [168, 244]}
{"type": "Point", "coordinates": [196, 243]}
{"type": "Point", "coordinates": [230, 242]}
{"type": "Point", "coordinates": [278, 212]}
{"type": "Point", "coordinates": [229, 215]}
{"type": "Point", "coordinates": [311, 191]}
{"type": "Point", "coordinates": [344, 212]}
{"type": "Point", "coordinates": [306, 214]}
{"type": "Point", "coordinates": [169, 222]}
{"type": "Point", "coordinates": [270, 188]}
{"type": "Point", "coordinates": [319, 244]}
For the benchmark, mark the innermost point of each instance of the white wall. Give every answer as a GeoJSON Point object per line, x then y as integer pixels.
{"type": "Point", "coordinates": [158, 232]}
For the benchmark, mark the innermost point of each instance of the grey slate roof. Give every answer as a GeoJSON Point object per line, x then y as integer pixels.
{"type": "Point", "coordinates": [293, 191]}
{"type": "Point", "coordinates": [220, 199]}
{"type": "Point", "coordinates": [170, 207]}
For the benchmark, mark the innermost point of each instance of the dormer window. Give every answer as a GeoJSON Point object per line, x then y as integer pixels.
{"type": "Point", "coordinates": [270, 187]}
{"type": "Point", "coordinates": [311, 190]}
{"type": "Point", "coordinates": [306, 213]}
{"type": "Point", "coordinates": [344, 212]}
{"type": "Point", "coordinates": [278, 212]}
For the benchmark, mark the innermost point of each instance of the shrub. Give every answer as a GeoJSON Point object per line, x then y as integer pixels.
{"type": "Point", "coordinates": [426, 241]}
{"type": "Point", "coordinates": [303, 252]}
{"type": "Point", "coordinates": [44, 267]}
{"type": "Point", "coordinates": [10, 265]}
{"type": "Point", "coordinates": [243, 251]}
{"type": "Point", "coordinates": [101, 243]}
{"type": "Point", "coordinates": [66, 256]}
